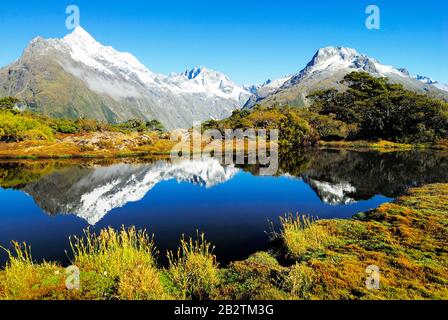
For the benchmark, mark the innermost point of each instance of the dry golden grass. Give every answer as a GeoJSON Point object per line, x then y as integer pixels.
{"type": "Point", "coordinates": [380, 146]}
{"type": "Point", "coordinates": [24, 280]}
{"type": "Point", "coordinates": [89, 145]}
{"type": "Point", "coordinates": [301, 235]}
{"type": "Point", "coordinates": [193, 270]}
{"type": "Point", "coordinates": [142, 283]}
{"type": "Point", "coordinates": [113, 253]}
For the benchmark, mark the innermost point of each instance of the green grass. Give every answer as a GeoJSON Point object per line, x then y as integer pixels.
{"type": "Point", "coordinates": [301, 235]}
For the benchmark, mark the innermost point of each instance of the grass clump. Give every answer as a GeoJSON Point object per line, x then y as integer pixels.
{"type": "Point", "coordinates": [301, 235]}
{"type": "Point", "coordinates": [142, 283]}
{"type": "Point", "coordinates": [127, 257]}
{"type": "Point", "coordinates": [113, 252]}
{"type": "Point", "coordinates": [193, 271]}
{"type": "Point", "coordinates": [300, 281]}
{"type": "Point", "coordinates": [24, 280]}
{"type": "Point", "coordinates": [260, 277]}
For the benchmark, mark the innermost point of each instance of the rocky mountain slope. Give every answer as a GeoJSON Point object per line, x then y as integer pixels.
{"type": "Point", "coordinates": [78, 77]}
{"type": "Point", "coordinates": [327, 68]}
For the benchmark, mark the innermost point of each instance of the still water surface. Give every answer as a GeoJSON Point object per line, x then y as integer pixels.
{"type": "Point", "coordinates": [43, 203]}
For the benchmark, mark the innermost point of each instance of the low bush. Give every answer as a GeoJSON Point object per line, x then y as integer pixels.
{"type": "Point", "coordinates": [15, 127]}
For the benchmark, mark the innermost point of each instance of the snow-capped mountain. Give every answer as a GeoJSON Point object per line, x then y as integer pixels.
{"type": "Point", "coordinates": [203, 80]}
{"type": "Point", "coordinates": [91, 193]}
{"type": "Point", "coordinates": [77, 76]}
{"type": "Point", "coordinates": [429, 81]}
{"type": "Point", "coordinates": [261, 91]}
{"type": "Point", "coordinates": [329, 66]}
{"type": "Point", "coordinates": [425, 79]}
{"type": "Point", "coordinates": [443, 87]}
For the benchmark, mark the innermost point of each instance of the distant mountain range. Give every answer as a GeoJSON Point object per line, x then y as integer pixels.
{"type": "Point", "coordinates": [78, 77]}
{"type": "Point", "coordinates": [327, 68]}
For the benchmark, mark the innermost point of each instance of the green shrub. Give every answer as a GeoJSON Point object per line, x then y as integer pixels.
{"type": "Point", "coordinates": [64, 126]}
{"type": "Point", "coordinates": [16, 127]}
{"type": "Point", "coordinates": [295, 131]}
{"type": "Point", "coordinates": [8, 102]}
{"type": "Point", "coordinates": [378, 110]}
{"type": "Point", "coordinates": [257, 278]}
{"type": "Point", "coordinates": [328, 127]}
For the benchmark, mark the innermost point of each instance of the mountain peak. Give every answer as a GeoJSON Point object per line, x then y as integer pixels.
{"type": "Point", "coordinates": [196, 71]}
{"type": "Point", "coordinates": [79, 35]}
{"type": "Point", "coordinates": [340, 51]}
{"type": "Point", "coordinates": [333, 56]}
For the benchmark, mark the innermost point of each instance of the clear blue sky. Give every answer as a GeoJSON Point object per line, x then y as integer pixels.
{"type": "Point", "coordinates": [249, 40]}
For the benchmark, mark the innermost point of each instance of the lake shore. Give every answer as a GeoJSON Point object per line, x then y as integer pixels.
{"type": "Point", "coordinates": [325, 259]}
{"type": "Point", "coordinates": [135, 144]}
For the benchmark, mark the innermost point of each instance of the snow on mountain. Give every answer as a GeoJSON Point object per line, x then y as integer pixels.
{"type": "Point", "coordinates": [425, 79]}
{"type": "Point", "coordinates": [331, 60]}
{"type": "Point", "coordinates": [430, 81]}
{"type": "Point", "coordinates": [326, 70]}
{"type": "Point", "coordinates": [97, 191]}
{"type": "Point", "coordinates": [443, 87]}
{"type": "Point", "coordinates": [204, 80]}
{"type": "Point", "coordinates": [86, 50]}
{"type": "Point", "coordinates": [261, 91]}
{"type": "Point", "coordinates": [116, 84]}
{"type": "Point", "coordinates": [269, 86]}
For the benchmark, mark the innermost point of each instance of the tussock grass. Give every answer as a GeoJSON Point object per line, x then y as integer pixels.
{"type": "Point", "coordinates": [193, 270]}
{"type": "Point", "coordinates": [301, 235]}
{"type": "Point", "coordinates": [127, 257]}
{"type": "Point", "coordinates": [300, 280]}
{"type": "Point", "coordinates": [24, 280]}
{"type": "Point", "coordinates": [113, 253]}
{"type": "Point", "coordinates": [142, 283]}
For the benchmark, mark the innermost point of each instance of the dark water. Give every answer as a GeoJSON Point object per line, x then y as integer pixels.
{"type": "Point", "coordinates": [42, 203]}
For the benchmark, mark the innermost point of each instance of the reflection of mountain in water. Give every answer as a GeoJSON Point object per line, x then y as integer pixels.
{"type": "Point", "coordinates": [93, 192]}
{"type": "Point", "coordinates": [344, 177]}
{"type": "Point", "coordinates": [337, 177]}
{"type": "Point", "coordinates": [333, 193]}
{"type": "Point", "coordinates": [362, 175]}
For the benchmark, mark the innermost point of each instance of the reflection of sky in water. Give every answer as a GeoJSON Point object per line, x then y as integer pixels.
{"type": "Point", "coordinates": [234, 215]}
{"type": "Point", "coordinates": [230, 205]}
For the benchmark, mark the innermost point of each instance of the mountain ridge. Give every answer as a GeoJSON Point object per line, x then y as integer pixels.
{"type": "Point", "coordinates": [113, 86]}
{"type": "Point", "coordinates": [100, 82]}
{"type": "Point", "coordinates": [328, 67]}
